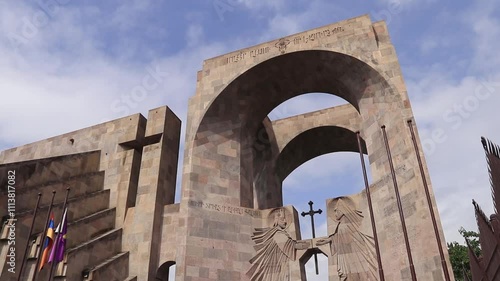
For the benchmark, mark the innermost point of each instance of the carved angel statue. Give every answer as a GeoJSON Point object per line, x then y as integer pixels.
{"type": "Point", "coordinates": [275, 249]}
{"type": "Point", "coordinates": [353, 250]}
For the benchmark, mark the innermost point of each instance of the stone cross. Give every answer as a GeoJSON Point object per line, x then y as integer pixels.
{"type": "Point", "coordinates": [312, 213]}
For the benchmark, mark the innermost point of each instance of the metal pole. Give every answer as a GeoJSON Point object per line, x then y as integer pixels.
{"type": "Point", "coordinates": [370, 207]}
{"type": "Point", "coordinates": [29, 236]}
{"type": "Point", "coordinates": [43, 236]}
{"type": "Point", "coordinates": [314, 236]}
{"type": "Point", "coordinates": [311, 213]}
{"type": "Point", "coordinates": [400, 206]}
{"type": "Point", "coordinates": [54, 248]}
{"type": "Point", "coordinates": [429, 202]}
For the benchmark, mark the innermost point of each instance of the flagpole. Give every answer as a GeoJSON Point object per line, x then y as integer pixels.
{"type": "Point", "coordinates": [44, 233]}
{"type": "Point", "coordinates": [57, 235]}
{"type": "Point", "coordinates": [370, 208]}
{"type": "Point", "coordinates": [29, 236]}
{"type": "Point", "coordinates": [400, 206]}
{"type": "Point", "coordinates": [429, 202]}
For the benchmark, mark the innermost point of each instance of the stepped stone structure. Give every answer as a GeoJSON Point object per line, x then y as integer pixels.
{"type": "Point", "coordinates": [230, 223]}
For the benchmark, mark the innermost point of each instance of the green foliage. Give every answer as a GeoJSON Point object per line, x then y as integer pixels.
{"type": "Point", "coordinates": [459, 256]}
{"type": "Point", "coordinates": [459, 259]}
{"type": "Point", "coordinates": [473, 238]}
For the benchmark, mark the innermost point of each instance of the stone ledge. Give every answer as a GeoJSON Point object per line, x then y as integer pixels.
{"type": "Point", "coordinates": [40, 171]}
{"type": "Point", "coordinates": [114, 268]}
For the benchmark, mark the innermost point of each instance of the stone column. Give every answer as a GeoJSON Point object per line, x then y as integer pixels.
{"type": "Point", "coordinates": [156, 188]}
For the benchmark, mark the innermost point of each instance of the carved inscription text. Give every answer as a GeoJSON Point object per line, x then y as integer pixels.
{"type": "Point", "coordinates": [282, 44]}
{"type": "Point", "coordinates": [225, 209]}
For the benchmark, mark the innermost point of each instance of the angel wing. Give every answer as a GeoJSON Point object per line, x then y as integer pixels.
{"type": "Point", "coordinates": [275, 248]}
{"type": "Point", "coordinates": [355, 251]}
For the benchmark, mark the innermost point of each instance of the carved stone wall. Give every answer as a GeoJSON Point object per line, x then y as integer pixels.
{"type": "Point", "coordinates": [353, 59]}
{"type": "Point", "coordinates": [138, 167]}
{"type": "Point", "coordinates": [236, 159]}
{"type": "Point", "coordinates": [352, 251]}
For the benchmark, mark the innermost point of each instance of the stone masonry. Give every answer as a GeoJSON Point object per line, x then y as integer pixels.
{"type": "Point", "coordinates": [235, 161]}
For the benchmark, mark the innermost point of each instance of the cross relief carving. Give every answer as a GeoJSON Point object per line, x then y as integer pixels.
{"type": "Point", "coordinates": [347, 247]}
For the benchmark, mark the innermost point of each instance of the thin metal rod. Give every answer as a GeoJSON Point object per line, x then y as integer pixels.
{"type": "Point", "coordinates": [370, 207]}
{"type": "Point", "coordinates": [29, 238]}
{"type": "Point", "coordinates": [314, 236]}
{"type": "Point", "coordinates": [429, 202]}
{"type": "Point", "coordinates": [311, 213]}
{"type": "Point", "coordinates": [43, 236]}
{"type": "Point", "coordinates": [315, 255]}
{"type": "Point", "coordinates": [52, 265]}
{"type": "Point", "coordinates": [400, 206]}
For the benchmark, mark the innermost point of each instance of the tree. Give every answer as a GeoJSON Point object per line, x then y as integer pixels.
{"type": "Point", "coordinates": [459, 257]}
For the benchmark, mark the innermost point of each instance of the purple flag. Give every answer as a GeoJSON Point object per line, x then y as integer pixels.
{"type": "Point", "coordinates": [57, 253]}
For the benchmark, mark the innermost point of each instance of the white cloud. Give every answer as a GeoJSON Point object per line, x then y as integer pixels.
{"type": "Point", "coordinates": [284, 23]}
{"type": "Point", "coordinates": [342, 167]}
{"type": "Point", "coordinates": [404, 4]}
{"type": "Point", "coordinates": [305, 103]}
{"type": "Point", "coordinates": [128, 13]}
{"type": "Point", "coordinates": [452, 115]}
{"type": "Point", "coordinates": [485, 22]}
{"type": "Point", "coordinates": [257, 5]}
{"type": "Point", "coordinates": [194, 35]}
{"type": "Point", "coordinates": [61, 90]}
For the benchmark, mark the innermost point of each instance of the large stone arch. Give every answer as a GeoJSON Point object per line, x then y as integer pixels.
{"type": "Point", "coordinates": [354, 60]}
{"type": "Point", "coordinates": [228, 128]}
{"type": "Point", "coordinates": [284, 144]}
{"type": "Point", "coordinates": [303, 137]}
{"type": "Point", "coordinates": [345, 116]}
{"type": "Point", "coordinates": [313, 143]}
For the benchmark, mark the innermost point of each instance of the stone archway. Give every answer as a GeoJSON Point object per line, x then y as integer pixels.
{"type": "Point", "coordinates": [312, 143]}
{"type": "Point", "coordinates": [162, 274]}
{"type": "Point", "coordinates": [354, 60]}
{"type": "Point", "coordinates": [305, 257]}
{"type": "Point", "coordinates": [227, 131]}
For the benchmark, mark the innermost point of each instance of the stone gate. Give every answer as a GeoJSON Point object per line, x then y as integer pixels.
{"type": "Point", "coordinates": [230, 223]}
{"type": "Point", "coordinates": [228, 164]}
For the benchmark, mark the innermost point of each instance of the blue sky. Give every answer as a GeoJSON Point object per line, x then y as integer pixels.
{"type": "Point", "coordinates": [69, 64]}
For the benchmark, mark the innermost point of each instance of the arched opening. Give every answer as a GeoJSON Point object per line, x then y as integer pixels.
{"type": "Point", "coordinates": [315, 142]}
{"type": "Point", "coordinates": [326, 176]}
{"type": "Point", "coordinates": [230, 127]}
{"type": "Point", "coordinates": [282, 145]}
{"type": "Point", "coordinates": [298, 136]}
{"type": "Point", "coordinates": [305, 103]}
{"type": "Point", "coordinates": [317, 164]}
{"type": "Point", "coordinates": [166, 272]}
{"type": "Point", "coordinates": [308, 264]}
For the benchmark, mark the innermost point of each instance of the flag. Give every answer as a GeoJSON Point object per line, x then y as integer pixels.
{"type": "Point", "coordinates": [57, 253]}
{"type": "Point", "coordinates": [49, 241]}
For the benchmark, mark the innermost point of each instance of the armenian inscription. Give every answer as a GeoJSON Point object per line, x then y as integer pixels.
{"type": "Point", "coordinates": [282, 44]}
{"type": "Point", "coordinates": [317, 35]}
{"type": "Point", "coordinates": [225, 209]}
